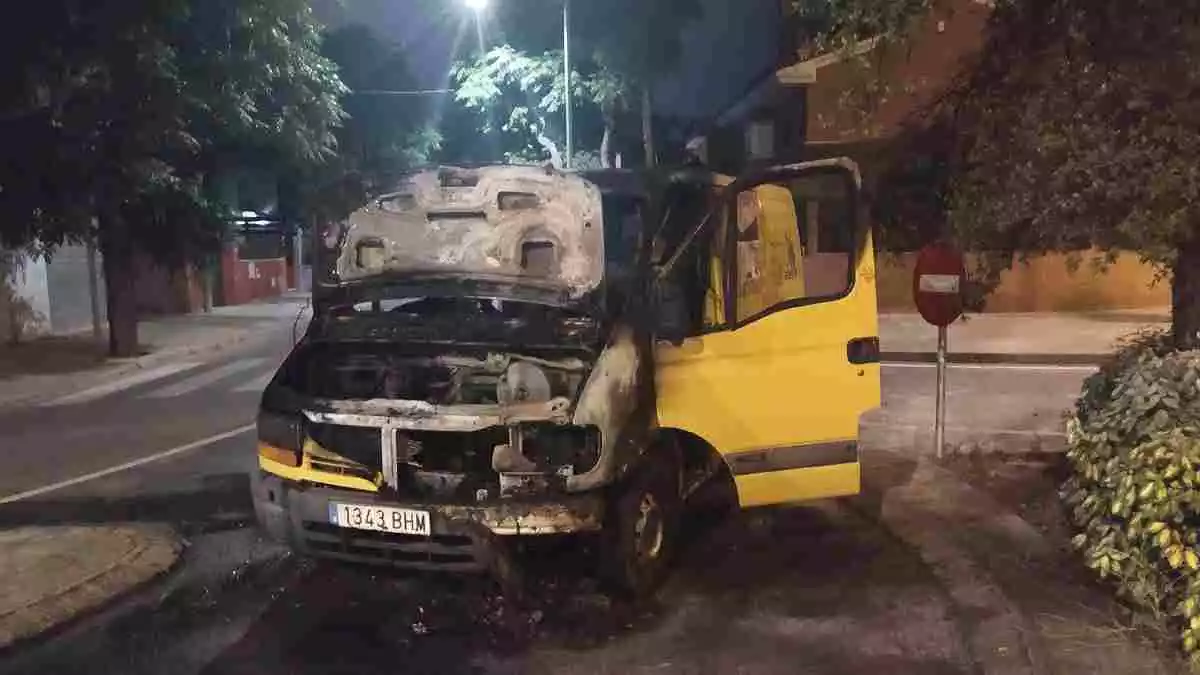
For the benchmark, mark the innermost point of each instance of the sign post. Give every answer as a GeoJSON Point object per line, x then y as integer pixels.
{"type": "Point", "coordinates": [939, 414]}
{"type": "Point", "coordinates": [937, 291]}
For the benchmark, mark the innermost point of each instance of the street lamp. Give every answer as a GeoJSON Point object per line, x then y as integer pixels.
{"type": "Point", "coordinates": [479, 6]}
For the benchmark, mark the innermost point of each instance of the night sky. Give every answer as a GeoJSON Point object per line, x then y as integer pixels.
{"type": "Point", "coordinates": [734, 43]}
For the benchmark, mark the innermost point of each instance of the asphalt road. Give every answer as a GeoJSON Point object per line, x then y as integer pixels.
{"type": "Point", "coordinates": [817, 589]}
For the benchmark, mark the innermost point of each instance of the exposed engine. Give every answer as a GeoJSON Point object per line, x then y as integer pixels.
{"type": "Point", "coordinates": [445, 380]}
{"type": "Point", "coordinates": [488, 463]}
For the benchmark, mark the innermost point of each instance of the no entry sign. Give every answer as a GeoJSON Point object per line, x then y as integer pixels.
{"type": "Point", "coordinates": [938, 283]}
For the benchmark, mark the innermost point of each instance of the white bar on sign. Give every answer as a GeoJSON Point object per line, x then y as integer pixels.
{"type": "Point", "coordinates": [938, 283]}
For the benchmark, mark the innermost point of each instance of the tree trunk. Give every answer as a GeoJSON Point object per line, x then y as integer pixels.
{"type": "Point", "coordinates": [551, 149]}
{"type": "Point", "coordinates": [648, 126]}
{"type": "Point", "coordinates": [1185, 296]}
{"type": "Point", "coordinates": [120, 291]}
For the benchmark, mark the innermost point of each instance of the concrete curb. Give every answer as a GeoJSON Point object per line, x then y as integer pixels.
{"type": "Point", "coordinates": [999, 359]}
{"type": "Point", "coordinates": [882, 435]}
{"type": "Point", "coordinates": [46, 586]}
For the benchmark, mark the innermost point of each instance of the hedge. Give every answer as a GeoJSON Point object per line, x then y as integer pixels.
{"type": "Point", "coordinates": [1134, 488]}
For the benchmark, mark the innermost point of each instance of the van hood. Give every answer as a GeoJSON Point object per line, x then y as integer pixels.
{"type": "Point", "coordinates": [507, 224]}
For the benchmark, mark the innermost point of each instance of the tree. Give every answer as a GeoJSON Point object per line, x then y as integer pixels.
{"type": "Point", "coordinates": [115, 114]}
{"type": "Point", "coordinates": [532, 90]}
{"type": "Point", "coordinates": [620, 49]}
{"type": "Point", "coordinates": [644, 46]}
{"type": "Point", "coordinates": [1076, 127]}
{"type": "Point", "coordinates": [385, 130]}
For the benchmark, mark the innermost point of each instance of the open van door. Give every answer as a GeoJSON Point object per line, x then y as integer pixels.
{"type": "Point", "coordinates": [768, 345]}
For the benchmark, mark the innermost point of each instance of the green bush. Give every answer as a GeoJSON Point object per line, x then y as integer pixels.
{"type": "Point", "coordinates": [1134, 490]}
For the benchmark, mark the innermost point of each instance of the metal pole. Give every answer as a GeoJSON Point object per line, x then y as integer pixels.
{"type": "Point", "coordinates": [567, 83]}
{"type": "Point", "coordinates": [298, 257]}
{"type": "Point", "coordinates": [939, 424]}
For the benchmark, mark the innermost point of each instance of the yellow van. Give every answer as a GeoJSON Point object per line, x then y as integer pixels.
{"type": "Point", "coordinates": [505, 352]}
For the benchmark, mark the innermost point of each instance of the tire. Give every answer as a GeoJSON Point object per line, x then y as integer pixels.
{"type": "Point", "coordinates": [641, 531]}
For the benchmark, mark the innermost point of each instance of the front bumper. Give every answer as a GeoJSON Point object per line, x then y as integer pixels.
{"type": "Point", "coordinates": [462, 537]}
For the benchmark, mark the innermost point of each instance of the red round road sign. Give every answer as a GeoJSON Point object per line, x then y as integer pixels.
{"type": "Point", "coordinates": [938, 283]}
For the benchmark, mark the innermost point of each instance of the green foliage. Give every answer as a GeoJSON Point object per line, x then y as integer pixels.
{"type": "Point", "coordinates": [619, 47]}
{"type": "Point", "coordinates": [1134, 492]}
{"type": "Point", "coordinates": [1094, 153]}
{"type": "Point", "coordinates": [837, 24]}
{"type": "Point", "coordinates": [117, 114]}
{"type": "Point", "coordinates": [383, 133]}
{"type": "Point", "coordinates": [520, 97]}
{"type": "Point", "coordinates": [1072, 128]}
{"type": "Point", "coordinates": [115, 104]}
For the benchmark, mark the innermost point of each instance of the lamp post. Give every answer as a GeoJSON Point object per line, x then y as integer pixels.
{"type": "Point", "coordinates": [480, 6]}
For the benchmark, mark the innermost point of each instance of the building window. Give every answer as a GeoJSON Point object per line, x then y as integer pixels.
{"type": "Point", "coordinates": [760, 140]}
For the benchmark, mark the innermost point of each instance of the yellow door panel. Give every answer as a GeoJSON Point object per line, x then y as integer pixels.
{"type": "Point", "coordinates": [783, 380]}
{"type": "Point", "coordinates": [777, 393]}
{"type": "Point", "coordinates": [797, 485]}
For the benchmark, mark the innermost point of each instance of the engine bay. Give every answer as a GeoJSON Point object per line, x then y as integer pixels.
{"type": "Point", "coordinates": [492, 378]}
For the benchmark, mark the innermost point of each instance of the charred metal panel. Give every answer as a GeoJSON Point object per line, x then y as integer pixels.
{"type": "Point", "coordinates": [549, 232]}
{"type": "Point", "coordinates": [611, 396]}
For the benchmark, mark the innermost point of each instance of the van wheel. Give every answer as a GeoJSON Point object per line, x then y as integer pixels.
{"type": "Point", "coordinates": [641, 531]}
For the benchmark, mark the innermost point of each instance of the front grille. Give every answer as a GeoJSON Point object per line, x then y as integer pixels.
{"type": "Point", "coordinates": [362, 445]}
{"type": "Point", "coordinates": [450, 552]}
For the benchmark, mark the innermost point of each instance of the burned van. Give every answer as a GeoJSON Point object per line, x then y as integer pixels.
{"type": "Point", "coordinates": [508, 351]}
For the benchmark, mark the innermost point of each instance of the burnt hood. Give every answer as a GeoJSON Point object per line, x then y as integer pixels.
{"type": "Point", "coordinates": [518, 225]}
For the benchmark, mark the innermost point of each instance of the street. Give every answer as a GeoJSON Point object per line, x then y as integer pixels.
{"type": "Point", "coordinates": [820, 588]}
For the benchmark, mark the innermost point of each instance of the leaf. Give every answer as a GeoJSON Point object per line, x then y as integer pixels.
{"type": "Point", "coordinates": [1146, 491]}
{"type": "Point", "coordinates": [1175, 558]}
{"type": "Point", "coordinates": [1156, 527]}
{"type": "Point", "coordinates": [1193, 561]}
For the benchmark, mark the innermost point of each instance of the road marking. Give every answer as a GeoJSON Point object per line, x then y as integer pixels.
{"type": "Point", "coordinates": [257, 384]}
{"type": "Point", "coordinates": [204, 379]}
{"type": "Point", "coordinates": [124, 383]}
{"type": "Point", "coordinates": [996, 366]}
{"type": "Point", "coordinates": [166, 454]}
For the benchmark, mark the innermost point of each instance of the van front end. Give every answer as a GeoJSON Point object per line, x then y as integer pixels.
{"type": "Point", "coordinates": [462, 380]}
{"type": "Point", "coordinates": [322, 511]}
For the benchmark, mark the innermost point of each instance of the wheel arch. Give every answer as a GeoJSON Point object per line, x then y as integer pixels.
{"type": "Point", "coordinates": [694, 452]}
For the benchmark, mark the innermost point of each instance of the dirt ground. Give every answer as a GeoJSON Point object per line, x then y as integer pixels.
{"type": "Point", "coordinates": [1078, 623]}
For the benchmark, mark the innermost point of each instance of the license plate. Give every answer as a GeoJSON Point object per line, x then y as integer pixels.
{"type": "Point", "coordinates": [379, 518]}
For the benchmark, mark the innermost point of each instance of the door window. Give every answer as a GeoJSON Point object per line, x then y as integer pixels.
{"type": "Point", "coordinates": [794, 242]}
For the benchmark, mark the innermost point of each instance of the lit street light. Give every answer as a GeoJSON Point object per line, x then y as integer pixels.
{"type": "Point", "coordinates": [479, 6]}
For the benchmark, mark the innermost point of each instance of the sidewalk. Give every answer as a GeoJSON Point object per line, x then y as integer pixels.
{"type": "Point", "coordinates": [1023, 602]}
{"type": "Point", "coordinates": [1022, 338]}
{"type": "Point", "coordinates": [52, 575]}
{"type": "Point", "coordinates": [48, 367]}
